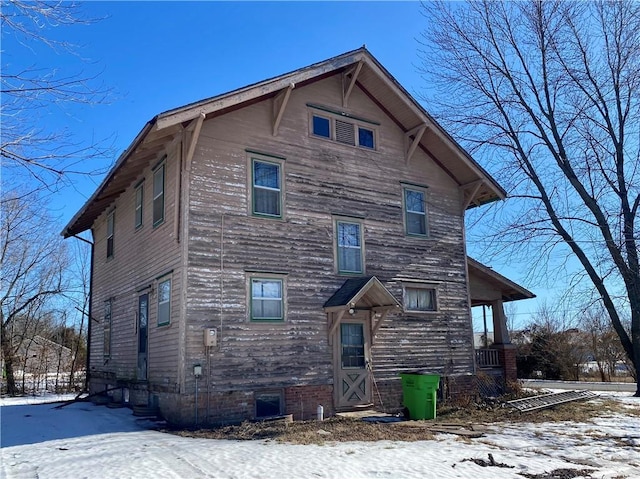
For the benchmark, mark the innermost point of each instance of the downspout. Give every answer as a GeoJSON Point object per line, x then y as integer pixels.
{"type": "Point", "coordinates": [89, 315]}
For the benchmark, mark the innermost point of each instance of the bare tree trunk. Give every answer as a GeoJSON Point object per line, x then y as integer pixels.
{"type": "Point", "coordinates": [8, 358]}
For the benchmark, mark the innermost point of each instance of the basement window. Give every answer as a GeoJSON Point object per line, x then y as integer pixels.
{"type": "Point", "coordinates": [268, 404]}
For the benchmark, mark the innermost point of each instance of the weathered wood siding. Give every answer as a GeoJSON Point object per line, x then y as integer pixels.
{"type": "Point", "coordinates": [140, 257]}
{"type": "Point", "coordinates": [321, 178]}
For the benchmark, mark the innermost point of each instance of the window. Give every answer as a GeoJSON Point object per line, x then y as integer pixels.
{"type": "Point", "coordinates": [365, 137]}
{"type": "Point", "coordinates": [266, 179]}
{"type": "Point", "coordinates": [106, 351]}
{"type": "Point", "coordinates": [139, 200]}
{"type": "Point", "coordinates": [352, 344]}
{"type": "Point", "coordinates": [343, 128]}
{"type": "Point", "coordinates": [268, 404]}
{"type": "Point", "coordinates": [158, 195]}
{"type": "Point", "coordinates": [349, 247]}
{"type": "Point", "coordinates": [267, 302]}
{"type": "Point", "coordinates": [419, 299]}
{"type": "Point", "coordinates": [111, 219]}
{"type": "Point", "coordinates": [321, 126]}
{"type": "Point", "coordinates": [415, 211]}
{"type": "Point", "coordinates": [164, 302]}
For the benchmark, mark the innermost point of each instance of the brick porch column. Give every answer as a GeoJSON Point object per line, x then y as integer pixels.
{"type": "Point", "coordinates": [507, 355]}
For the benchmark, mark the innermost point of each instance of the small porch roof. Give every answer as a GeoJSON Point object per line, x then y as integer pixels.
{"type": "Point", "coordinates": [486, 285]}
{"type": "Point", "coordinates": [362, 293]}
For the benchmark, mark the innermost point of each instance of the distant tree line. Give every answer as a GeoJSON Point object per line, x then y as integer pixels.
{"type": "Point", "coordinates": [548, 348]}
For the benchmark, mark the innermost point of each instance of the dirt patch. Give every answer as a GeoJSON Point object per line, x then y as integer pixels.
{"type": "Point", "coordinates": [560, 474]}
{"type": "Point", "coordinates": [489, 463]}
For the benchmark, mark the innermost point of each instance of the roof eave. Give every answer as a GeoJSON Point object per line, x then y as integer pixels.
{"type": "Point", "coordinates": [69, 229]}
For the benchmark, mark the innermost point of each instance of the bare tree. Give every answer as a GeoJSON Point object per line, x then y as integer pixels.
{"type": "Point", "coordinates": [550, 93]}
{"type": "Point", "coordinates": [33, 259]}
{"type": "Point", "coordinates": [603, 341]}
{"type": "Point", "coordinates": [34, 150]}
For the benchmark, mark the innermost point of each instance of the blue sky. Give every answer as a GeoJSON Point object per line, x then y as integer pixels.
{"type": "Point", "coordinates": [160, 55]}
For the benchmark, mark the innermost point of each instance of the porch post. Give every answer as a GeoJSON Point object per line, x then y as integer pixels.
{"type": "Point", "coordinates": [500, 332]}
{"type": "Point", "coordinates": [502, 342]}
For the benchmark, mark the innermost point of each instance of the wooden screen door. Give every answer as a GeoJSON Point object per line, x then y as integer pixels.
{"type": "Point", "coordinates": [352, 381]}
{"type": "Point", "coordinates": [143, 340]}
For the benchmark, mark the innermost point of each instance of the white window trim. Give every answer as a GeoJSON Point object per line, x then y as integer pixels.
{"type": "Point", "coordinates": [111, 224]}
{"type": "Point", "coordinates": [162, 280]}
{"type": "Point", "coordinates": [161, 166]}
{"type": "Point", "coordinates": [265, 158]}
{"type": "Point", "coordinates": [358, 124]}
{"type": "Point", "coordinates": [249, 288]}
{"type": "Point", "coordinates": [425, 286]}
{"type": "Point", "coordinates": [348, 219]}
{"type": "Point", "coordinates": [138, 188]}
{"type": "Point", "coordinates": [424, 190]}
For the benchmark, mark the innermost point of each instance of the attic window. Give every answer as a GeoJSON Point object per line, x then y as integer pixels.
{"type": "Point", "coordinates": [343, 128]}
{"type": "Point", "coordinates": [321, 126]}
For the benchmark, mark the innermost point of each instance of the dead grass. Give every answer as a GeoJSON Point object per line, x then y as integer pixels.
{"type": "Point", "coordinates": [340, 429]}
{"type": "Point", "coordinates": [498, 412]}
{"type": "Point", "coordinates": [313, 432]}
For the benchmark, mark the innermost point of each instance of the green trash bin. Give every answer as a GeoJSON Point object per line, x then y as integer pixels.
{"type": "Point", "coordinates": [419, 393]}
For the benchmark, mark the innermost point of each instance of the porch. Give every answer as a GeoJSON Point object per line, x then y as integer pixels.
{"type": "Point", "coordinates": [491, 290]}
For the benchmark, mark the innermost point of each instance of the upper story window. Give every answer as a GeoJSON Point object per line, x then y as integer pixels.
{"type": "Point", "coordinates": [342, 128]}
{"type": "Point", "coordinates": [158, 195]}
{"type": "Point", "coordinates": [164, 301]}
{"type": "Point", "coordinates": [111, 224]}
{"type": "Point", "coordinates": [419, 298]}
{"type": "Point", "coordinates": [108, 305]}
{"type": "Point", "coordinates": [138, 205]}
{"type": "Point", "coordinates": [267, 299]}
{"type": "Point", "coordinates": [349, 247]}
{"type": "Point", "coordinates": [321, 126]}
{"type": "Point", "coordinates": [266, 186]}
{"type": "Point", "coordinates": [415, 211]}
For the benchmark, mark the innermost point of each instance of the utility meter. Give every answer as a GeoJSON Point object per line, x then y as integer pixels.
{"type": "Point", "coordinates": [210, 337]}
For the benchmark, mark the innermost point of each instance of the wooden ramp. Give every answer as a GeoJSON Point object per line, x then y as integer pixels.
{"type": "Point", "coordinates": [549, 400]}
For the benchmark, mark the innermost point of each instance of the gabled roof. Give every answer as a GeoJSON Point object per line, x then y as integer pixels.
{"type": "Point", "coordinates": [509, 290]}
{"type": "Point", "coordinates": [368, 290]}
{"type": "Point", "coordinates": [371, 78]}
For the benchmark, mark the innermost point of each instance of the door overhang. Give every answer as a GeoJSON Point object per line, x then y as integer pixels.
{"type": "Point", "coordinates": [360, 294]}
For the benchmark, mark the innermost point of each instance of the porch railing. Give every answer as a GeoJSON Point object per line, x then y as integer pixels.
{"type": "Point", "coordinates": [487, 358]}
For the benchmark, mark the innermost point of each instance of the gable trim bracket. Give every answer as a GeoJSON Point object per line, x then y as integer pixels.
{"type": "Point", "coordinates": [469, 192]}
{"type": "Point", "coordinates": [279, 105]}
{"type": "Point", "coordinates": [349, 79]}
{"type": "Point", "coordinates": [410, 146]}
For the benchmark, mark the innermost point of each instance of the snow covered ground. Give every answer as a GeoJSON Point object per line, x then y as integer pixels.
{"type": "Point", "coordinates": [87, 441]}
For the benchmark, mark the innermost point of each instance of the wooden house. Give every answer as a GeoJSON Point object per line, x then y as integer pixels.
{"type": "Point", "coordinates": [293, 243]}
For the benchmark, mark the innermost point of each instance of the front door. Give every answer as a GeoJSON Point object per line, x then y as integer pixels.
{"type": "Point", "coordinates": [352, 379]}
{"type": "Point", "coordinates": [143, 323]}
